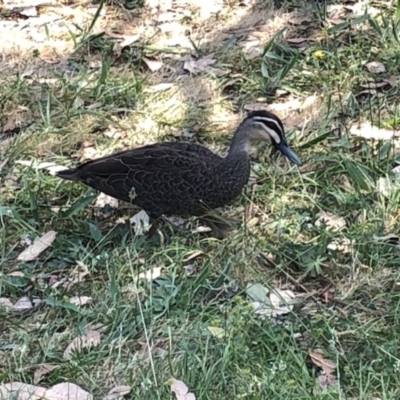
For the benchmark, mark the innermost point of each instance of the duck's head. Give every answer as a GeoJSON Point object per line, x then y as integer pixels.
{"type": "Point", "coordinates": [264, 126]}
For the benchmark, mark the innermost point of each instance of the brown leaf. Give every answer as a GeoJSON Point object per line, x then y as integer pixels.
{"type": "Point", "coordinates": [129, 40]}
{"type": "Point", "coordinates": [51, 167]}
{"type": "Point", "coordinates": [41, 371]}
{"type": "Point", "coordinates": [368, 131]}
{"type": "Point", "coordinates": [91, 338]}
{"type": "Point", "coordinates": [160, 87]}
{"type": "Point", "coordinates": [22, 391]}
{"type": "Point", "coordinates": [67, 391]}
{"type": "Point", "coordinates": [392, 80]}
{"type": "Point", "coordinates": [6, 303]}
{"type": "Point", "coordinates": [317, 357]}
{"type": "Point", "coordinates": [37, 247]}
{"type": "Point", "coordinates": [323, 381]}
{"type": "Point", "coordinates": [331, 221]}
{"type": "Point", "coordinates": [24, 303]}
{"type": "Point", "coordinates": [117, 393]}
{"type": "Point", "coordinates": [255, 106]}
{"type": "Point", "coordinates": [16, 273]}
{"type": "Point", "coordinates": [149, 275]}
{"type": "Point", "coordinates": [9, 126]}
{"type": "Point", "coordinates": [199, 65]}
{"type": "Point", "coordinates": [104, 200]}
{"type": "Point", "coordinates": [88, 153]}
{"type": "Point", "coordinates": [27, 11]}
{"type": "Point", "coordinates": [375, 67]}
{"type": "Point", "coordinates": [181, 390]}
{"type": "Point", "coordinates": [80, 300]}
{"type": "Point", "coordinates": [152, 64]}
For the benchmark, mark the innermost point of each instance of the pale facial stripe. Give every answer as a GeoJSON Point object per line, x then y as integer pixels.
{"type": "Point", "coordinates": [275, 136]}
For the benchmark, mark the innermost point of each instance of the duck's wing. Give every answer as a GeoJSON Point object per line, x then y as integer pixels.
{"type": "Point", "coordinates": [145, 171]}
{"type": "Point", "coordinates": [194, 149]}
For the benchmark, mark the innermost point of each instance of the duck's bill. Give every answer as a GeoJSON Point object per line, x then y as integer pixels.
{"type": "Point", "coordinates": [288, 152]}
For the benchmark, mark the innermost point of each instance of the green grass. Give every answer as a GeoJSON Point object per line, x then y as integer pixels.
{"type": "Point", "coordinates": [357, 325]}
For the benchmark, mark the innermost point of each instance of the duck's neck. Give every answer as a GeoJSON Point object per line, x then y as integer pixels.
{"type": "Point", "coordinates": [240, 142]}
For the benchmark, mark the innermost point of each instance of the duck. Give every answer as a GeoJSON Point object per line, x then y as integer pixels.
{"type": "Point", "coordinates": [180, 178]}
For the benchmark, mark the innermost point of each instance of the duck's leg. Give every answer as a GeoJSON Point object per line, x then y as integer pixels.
{"type": "Point", "coordinates": [153, 227]}
{"type": "Point", "coordinates": [221, 228]}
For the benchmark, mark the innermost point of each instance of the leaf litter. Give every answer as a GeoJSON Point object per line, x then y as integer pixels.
{"type": "Point", "coordinates": [90, 339]}
{"type": "Point", "coordinates": [42, 370]}
{"type": "Point", "coordinates": [61, 391]}
{"type": "Point", "coordinates": [37, 247]}
{"type": "Point", "coordinates": [330, 220]}
{"type": "Point", "coordinates": [181, 390]}
{"type": "Point", "coordinates": [80, 300]}
{"type": "Point", "coordinates": [194, 66]}
{"type": "Point", "coordinates": [328, 368]}
{"type": "Point", "coordinates": [117, 393]}
{"type": "Point", "coordinates": [77, 275]}
{"type": "Point", "coordinates": [268, 303]}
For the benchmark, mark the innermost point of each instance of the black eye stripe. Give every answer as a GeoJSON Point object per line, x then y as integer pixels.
{"type": "Point", "coordinates": [271, 123]}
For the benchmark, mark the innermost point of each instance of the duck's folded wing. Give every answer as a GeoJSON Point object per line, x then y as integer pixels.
{"type": "Point", "coordinates": [143, 170]}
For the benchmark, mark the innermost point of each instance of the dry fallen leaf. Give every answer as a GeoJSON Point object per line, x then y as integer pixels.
{"type": "Point", "coordinates": [328, 367]}
{"type": "Point", "coordinates": [317, 357]}
{"type": "Point", "coordinates": [24, 303]}
{"type": "Point", "coordinates": [88, 153]}
{"type": "Point", "coordinates": [323, 381]}
{"type": "Point", "coordinates": [149, 275]}
{"type": "Point", "coordinates": [332, 221]}
{"type": "Point", "coordinates": [91, 338]}
{"type": "Point", "coordinates": [368, 131]}
{"type": "Point", "coordinates": [22, 391]}
{"type": "Point", "coordinates": [17, 273]}
{"type": "Point", "coordinates": [255, 106]}
{"type": "Point", "coordinates": [217, 331]}
{"type": "Point", "coordinates": [51, 167]}
{"type": "Point", "coordinates": [280, 303]}
{"type": "Point", "coordinates": [340, 244]}
{"type": "Point", "coordinates": [147, 352]}
{"type": "Point", "coordinates": [159, 88]}
{"type": "Point", "coordinates": [375, 67]}
{"type": "Point", "coordinates": [61, 391]}
{"type": "Point", "coordinates": [140, 222]}
{"type": "Point", "coordinates": [67, 391]}
{"type": "Point", "coordinates": [80, 300]}
{"type": "Point", "coordinates": [117, 393]}
{"type": "Point", "coordinates": [175, 220]}
{"type": "Point", "coordinates": [9, 126]}
{"type": "Point", "coordinates": [37, 247]}
{"type": "Point", "coordinates": [199, 65]}
{"type": "Point", "coordinates": [6, 303]}
{"type": "Point", "coordinates": [77, 275]}
{"type": "Point", "coordinates": [300, 40]}
{"type": "Point", "coordinates": [104, 200]}
{"type": "Point", "coordinates": [392, 80]}
{"type": "Point", "coordinates": [128, 40]}
{"type": "Point", "coordinates": [152, 64]}
{"type": "Point", "coordinates": [181, 390]}
{"type": "Point", "coordinates": [41, 371]}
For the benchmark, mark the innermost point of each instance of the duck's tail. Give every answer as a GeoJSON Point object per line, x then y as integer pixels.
{"type": "Point", "coordinates": [71, 174]}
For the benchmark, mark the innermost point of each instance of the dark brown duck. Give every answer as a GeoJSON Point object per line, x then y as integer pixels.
{"type": "Point", "coordinates": [173, 178]}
